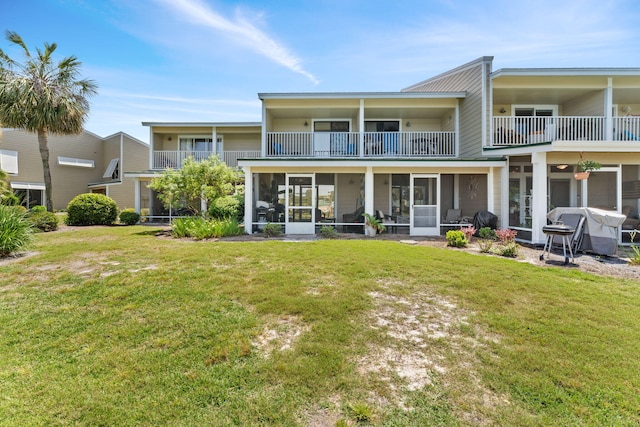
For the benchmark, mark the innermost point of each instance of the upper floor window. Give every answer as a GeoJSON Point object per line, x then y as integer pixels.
{"type": "Point", "coordinates": [382, 126]}
{"type": "Point", "coordinates": [9, 161]}
{"type": "Point", "coordinates": [331, 126]}
{"type": "Point", "coordinates": [113, 170]}
{"type": "Point", "coordinates": [196, 143]}
{"type": "Point", "coordinates": [72, 161]}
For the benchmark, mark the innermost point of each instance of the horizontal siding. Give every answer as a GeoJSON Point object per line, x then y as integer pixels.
{"type": "Point", "coordinates": [470, 80]}
{"type": "Point", "coordinates": [591, 104]}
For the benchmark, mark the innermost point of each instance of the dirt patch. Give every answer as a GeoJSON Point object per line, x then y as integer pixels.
{"type": "Point", "coordinates": [425, 344]}
{"type": "Point", "coordinates": [280, 335]}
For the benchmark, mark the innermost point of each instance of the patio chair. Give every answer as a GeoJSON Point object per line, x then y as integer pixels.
{"type": "Point", "coordinates": [453, 216]}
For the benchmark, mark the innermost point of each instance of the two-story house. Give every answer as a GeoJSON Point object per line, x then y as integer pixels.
{"type": "Point", "coordinates": [468, 140]}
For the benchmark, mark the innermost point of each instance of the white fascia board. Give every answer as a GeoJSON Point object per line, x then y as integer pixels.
{"type": "Point", "coordinates": [202, 124]}
{"type": "Point", "coordinates": [408, 164]}
{"type": "Point", "coordinates": [604, 72]}
{"type": "Point", "coordinates": [364, 95]}
{"type": "Point", "coordinates": [27, 186]}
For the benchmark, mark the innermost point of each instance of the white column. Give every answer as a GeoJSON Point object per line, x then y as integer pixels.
{"type": "Point", "coordinates": [504, 196]}
{"type": "Point", "coordinates": [361, 129]}
{"type": "Point", "coordinates": [368, 190]}
{"type": "Point", "coordinates": [491, 203]}
{"type": "Point", "coordinates": [214, 137]}
{"type": "Point", "coordinates": [539, 197]}
{"type": "Point", "coordinates": [151, 148]}
{"type": "Point", "coordinates": [136, 195]}
{"type": "Point", "coordinates": [263, 136]}
{"type": "Point", "coordinates": [248, 198]}
{"type": "Point", "coordinates": [608, 111]}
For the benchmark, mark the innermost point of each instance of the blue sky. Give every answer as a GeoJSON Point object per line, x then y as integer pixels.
{"type": "Point", "coordinates": [206, 60]}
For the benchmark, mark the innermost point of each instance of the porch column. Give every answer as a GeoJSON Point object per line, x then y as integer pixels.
{"type": "Point", "coordinates": [361, 129]}
{"type": "Point", "coordinates": [539, 197]}
{"type": "Point", "coordinates": [214, 137]}
{"type": "Point", "coordinates": [248, 197]}
{"type": "Point", "coordinates": [491, 205]}
{"type": "Point", "coordinates": [368, 190]}
{"type": "Point", "coordinates": [136, 195]}
{"type": "Point", "coordinates": [504, 195]}
{"type": "Point", "coordinates": [608, 111]}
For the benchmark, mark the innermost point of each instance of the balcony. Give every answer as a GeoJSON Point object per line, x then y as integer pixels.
{"type": "Point", "coordinates": [362, 144]}
{"type": "Point", "coordinates": [516, 131]}
{"type": "Point", "coordinates": [174, 159]}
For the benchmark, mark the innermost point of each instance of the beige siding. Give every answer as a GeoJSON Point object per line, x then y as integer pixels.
{"type": "Point", "coordinates": [135, 158]}
{"type": "Point", "coordinates": [349, 191]}
{"type": "Point", "coordinates": [591, 104]}
{"type": "Point", "coordinates": [68, 181]}
{"type": "Point", "coordinates": [471, 79]}
{"type": "Point", "coordinates": [242, 142]}
{"type": "Point", "coordinates": [381, 193]}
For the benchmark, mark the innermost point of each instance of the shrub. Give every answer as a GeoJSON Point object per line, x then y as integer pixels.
{"type": "Point", "coordinates": [328, 232]}
{"type": "Point", "coordinates": [468, 232]}
{"type": "Point", "coordinates": [225, 208]}
{"type": "Point", "coordinates": [144, 214]}
{"type": "Point", "coordinates": [200, 228]}
{"type": "Point", "coordinates": [456, 238]}
{"type": "Point", "coordinates": [487, 236]}
{"type": "Point", "coordinates": [129, 217]}
{"type": "Point", "coordinates": [38, 208]}
{"type": "Point", "coordinates": [507, 250]}
{"type": "Point", "coordinates": [272, 230]}
{"type": "Point", "coordinates": [91, 209]}
{"type": "Point", "coordinates": [43, 220]}
{"type": "Point", "coordinates": [15, 230]}
{"type": "Point", "coordinates": [506, 235]}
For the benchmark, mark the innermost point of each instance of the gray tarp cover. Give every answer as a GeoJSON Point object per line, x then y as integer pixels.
{"type": "Point", "coordinates": [601, 228]}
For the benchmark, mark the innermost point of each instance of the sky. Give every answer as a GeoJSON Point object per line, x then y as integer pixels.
{"type": "Point", "coordinates": [207, 60]}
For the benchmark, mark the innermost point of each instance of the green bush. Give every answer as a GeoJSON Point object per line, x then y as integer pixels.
{"type": "Point", "coordinates": [328, 232]}
{"type": "Point", "coordinates": [43, 220]}
{"type": "Point", "coordinates": [91, 209]}
{"type": "Point", "coordinates": [272, 230]}
{"type": "Point", "coordinates": [129, 217]}
{"type": "Point", "coordinates": [199, 228]}
{"type": "Point", "coordinates": [15, 230]}
{"type": "Point", "coordinates": [226, 207]}
{"type": "Point", "coordinates": [456, 238]}
{"type": "Point", "coordinates": [38, 208]}
{"type": "Point", "coordinates": [509, 250]}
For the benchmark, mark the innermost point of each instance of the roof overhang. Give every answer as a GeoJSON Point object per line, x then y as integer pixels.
{"type": "Point", "coordinates": [363, 95]}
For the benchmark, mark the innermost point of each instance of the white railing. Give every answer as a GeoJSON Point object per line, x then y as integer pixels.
{"type": "Point", "coordinates": [361, 144]}
{"type": "Point", "coordinates": [174, 159]}
{"type": "Point", "coordinates": [533, 130]}
{"type": "Point", "coordinates": [626, 128]}
{"type": "Point", "coordinates": [231, 157]}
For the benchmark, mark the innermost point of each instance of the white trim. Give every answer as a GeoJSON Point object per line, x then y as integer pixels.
{"type": "Point", "coordinates": [9, 161]}
{"type": "Point", "coordinates": [27, 186]}
{"type": "Point", "coordinates": [75, 162]}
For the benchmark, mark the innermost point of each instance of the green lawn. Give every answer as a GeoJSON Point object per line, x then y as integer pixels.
{"type": "Point", "coordinates": [114, 326]}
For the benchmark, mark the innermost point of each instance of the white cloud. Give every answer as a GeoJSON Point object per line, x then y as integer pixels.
{"type": "Point", "coordinates": [241, 30]}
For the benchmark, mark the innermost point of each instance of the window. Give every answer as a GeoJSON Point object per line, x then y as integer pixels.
{"type": "Point", "coordinates": [196, 143]}
{"type": "Point", "coordinates": [72, 161]}
{"type": "Point", "coordinates": [112, 170]}
{"type": "Point", "coordinates": [9, 161]}
{"type": "Point", "coordinates": [382, 126]}
{"type": "Point", "coordinates": [30, 194]}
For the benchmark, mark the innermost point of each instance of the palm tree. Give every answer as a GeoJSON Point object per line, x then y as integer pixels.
{"type": "Point", "coordinates": [43, 97]}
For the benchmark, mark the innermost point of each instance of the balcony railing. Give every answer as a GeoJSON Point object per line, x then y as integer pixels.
{"type": "Point", "coordinates": [174, 159]}
{"type": "Point", "coordinates": [532, 130]}
{"type": "Point", "coordinates": [626, 128]}
{"type": "Point", "coordinates": [362, 144]}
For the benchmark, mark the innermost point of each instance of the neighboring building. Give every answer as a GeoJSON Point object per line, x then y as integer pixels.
{"type": "Point", "coordinates": [79, 164]}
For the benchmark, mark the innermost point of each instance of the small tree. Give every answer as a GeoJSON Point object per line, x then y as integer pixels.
{"type": "Point", "coordinates": [197, 181]}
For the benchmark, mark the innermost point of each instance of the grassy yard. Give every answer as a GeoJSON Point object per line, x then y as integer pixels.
{"type": "Point", "coordinates": [114, 326]}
